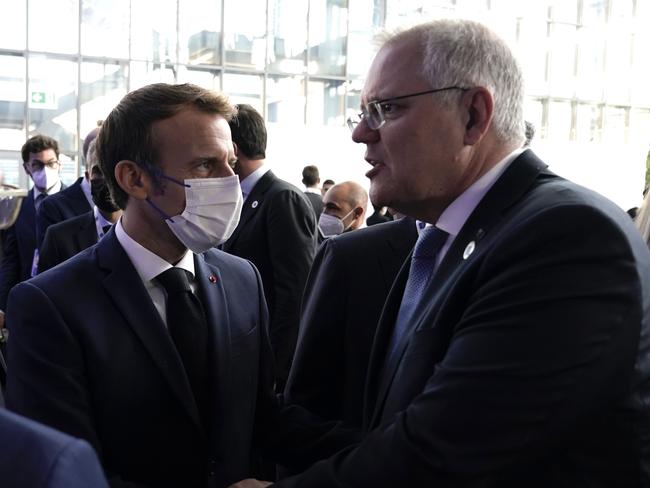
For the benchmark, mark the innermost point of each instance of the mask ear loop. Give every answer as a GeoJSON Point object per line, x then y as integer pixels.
{"type": "Point", "coordinates": [157, 172]}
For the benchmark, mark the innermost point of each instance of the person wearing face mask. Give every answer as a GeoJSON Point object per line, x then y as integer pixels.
{"type": "Point", "coordinates": [156, 343]}
{"type": "Point", "coordinates": [344, 209]}
{"type": "Point", "coordinates": [65, 239]}
{"type": "Point", "coordinates": [40, 156]}
{"type": "Point", "coordinates": [74, 200]}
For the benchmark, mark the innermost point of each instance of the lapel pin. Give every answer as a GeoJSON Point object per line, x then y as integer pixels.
{"type": "Point", "coordinates": [254, 204]}
{"type": "Point", "coordinates": [212, 279]}
{"type": "Point", "coordinates": [469, 249]}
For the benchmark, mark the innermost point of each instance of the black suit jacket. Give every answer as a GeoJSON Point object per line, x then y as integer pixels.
{"type": "Point", "coordinates": [64, 205]}
{"type": "Point", "coordinates": [345, 293]}
{"type": "Point", "coordinates": [529, 361]}
{"type": "Point", "coordinates": [277, 232]}
{"type": "Point", "coordinates": [65, 239]}
{"type": "Point", "coordinates": [90, 355]}
{"type": "Point", "coordinates": [316, 203]}
{"type": "Point", "coordinates": [35, 456]}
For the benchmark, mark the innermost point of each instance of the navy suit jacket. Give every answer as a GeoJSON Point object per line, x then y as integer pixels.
{"type": "Point", "coordinates": [90, 355]}
{"type": "Point", "coordinates": [65, 239]}
{"type": "Point", "coordinates": [35, 456]}
{"type": "Point", "coordinates": [64, 205]}
{"type": "Point", "coordinates": [345, 293]}
{"type": "Point", "coordinates": [529, 360]}
{"type": "Point", "coordinates": [277, 232]}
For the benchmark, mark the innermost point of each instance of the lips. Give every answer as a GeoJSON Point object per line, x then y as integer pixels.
{"type": "Point", "coordinates": [376, 168]}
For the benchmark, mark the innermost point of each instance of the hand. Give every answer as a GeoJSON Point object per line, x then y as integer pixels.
{"type": "Point", "coordinates": [250, 483]}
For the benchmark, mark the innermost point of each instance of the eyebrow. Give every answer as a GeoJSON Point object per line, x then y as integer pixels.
{"type": "Point", "coordinates": [39, 161]}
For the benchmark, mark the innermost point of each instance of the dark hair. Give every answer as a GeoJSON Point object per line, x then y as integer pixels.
{"type": "Point", "coordinates": [90, 137]}
{"type": "Point", "coordinates": [249, 132]}
{"type": "Point", "coordinates": [328, 182]}
{"type": "Point", "coordinates": [530, 133]}
{"type": "Point", "coordinates": [126, 134]}
{"type": "Point", "coordinates": [37, 144]}
{"type": "Point", "coordinates": [310, 175]}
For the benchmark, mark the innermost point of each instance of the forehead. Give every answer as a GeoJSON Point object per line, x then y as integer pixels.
{"type": "Point", "coordinates": [336, 194]}
{"type": "Point", "coordinates": [191, 129]}
{"type": "Point", "coordinates": [396, 67]}
{"type": "Point", "coordinates": [45, 155]}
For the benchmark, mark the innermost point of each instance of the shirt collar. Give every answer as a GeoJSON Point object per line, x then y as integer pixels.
{"type": "Point", "coordinates": [146, 263]}
{"type": "Point", "coordinates": [312, 190]}
{"type": "Point", "coordinates": [248, 183]}
{"type": "Point", "coordinates": [457, 213]}
{"type": "Point", "coordinates": [99, 218]}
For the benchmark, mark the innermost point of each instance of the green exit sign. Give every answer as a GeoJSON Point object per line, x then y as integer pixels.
{"type": "Point", "coordinates": [42, 99]}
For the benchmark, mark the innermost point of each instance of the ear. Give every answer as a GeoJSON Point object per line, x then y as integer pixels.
{"type": "Point", "coordinates": [133, 179]}
{"type": "Point", "coordinates": [479, 104]}
{"type": "Point", "coordinates": [236, 149]}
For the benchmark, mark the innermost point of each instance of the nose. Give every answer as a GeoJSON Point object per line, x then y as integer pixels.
{"type": "Point", "coordinates": [364, 134]}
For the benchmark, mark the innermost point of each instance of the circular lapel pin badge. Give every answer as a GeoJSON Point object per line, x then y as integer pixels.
{"type": "Point", "coordinates": [469, 250]}
{"type": "Point", "coordinates": [254, 204]}
{"type": "Point", "coordinates": [212, 279]}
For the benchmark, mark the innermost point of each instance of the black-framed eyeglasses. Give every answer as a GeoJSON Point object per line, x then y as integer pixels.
{"type": "Point", "coordinates": [37, 165]}
{"type": "Point", "coordinates": [374, 113]}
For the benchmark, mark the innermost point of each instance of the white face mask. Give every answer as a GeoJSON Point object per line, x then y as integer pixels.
{"type": "Point", "coordinates": [44, 179]}
{"type": "Point", "coordinates": [212, 210]}
{"type": "Point", "coordinates": [331, 225]}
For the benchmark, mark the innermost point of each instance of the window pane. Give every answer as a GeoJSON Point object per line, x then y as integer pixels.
{"type": "Point", "coordinates": [102, 87]}
{"type": "Point", "coordinates": [588, 122]}
{"type": "Point", "coordinates": [639, 126]}
{"type": "Point", "coordinates": [12, 34]}
{"type": "Point", "coordinates": [559, 121]}
{"type": "Point", "coordinates": [614, 129]}
{"type": "Point", "coordinates": [244, 89]}
{"type": "Point", "coordinates": [12, 118]}
{"type": "Point", "coordinates": [591, 76]}
{"type": "Point", "coordinates": [54, 26]}
{"type": "Point", "coordinates": [325, 102]}
{"type": "Point", "coordinates": [142, 73]}
{"type": "Point", "coordinates": [285, 99]}
{"type": "Point", "coordinates": [562, 60]}
{"type": "Point", "coordinates": [200, 35]}
{"type": "Point", "coordinates": [594, 12]}
{"type": "Point", "coordinates": [564, 11]}
{"type": "Point", "coordinates": [617, 70]}
{"type": "Point", "coordinates": [105, 28]}
{"type": "Point", "coordinates": [245, 33]}
{"type": "Point", "coordinates": [207, 78]}
{"type": "Point", "coordinates": [531, 52]}
{"type": "Point", "coordinates": [287, 36]}
{"type": "Point", "coordinates": [365, 18]}
{"type": "Point", "coordinates": [53, 100]}
{"type": "Point", "coordinates": [153, 31]}
{"type": "Point", "coordinates": [640, 74]}
{"type": "Point", "coordinates": [327, 30]}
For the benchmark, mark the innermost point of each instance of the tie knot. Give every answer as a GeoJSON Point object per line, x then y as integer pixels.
{"type": "Point", "coordinates": [174, 280]}
{"type": "Point", "coordinates": [429, 242]}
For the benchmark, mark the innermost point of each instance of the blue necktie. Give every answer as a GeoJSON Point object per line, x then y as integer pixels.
{"type": "Point", "coordinates": [39, 199]}
{"type": "Point", "coordinates": [429, 243]}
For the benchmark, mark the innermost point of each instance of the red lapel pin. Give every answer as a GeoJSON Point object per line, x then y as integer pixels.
{"type": "Point", "coordinates": [212, 279]}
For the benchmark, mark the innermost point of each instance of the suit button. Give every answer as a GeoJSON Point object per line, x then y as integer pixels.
{"type": "Point", "coordinates": [212, 469]}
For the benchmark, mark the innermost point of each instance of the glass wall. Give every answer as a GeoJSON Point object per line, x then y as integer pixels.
{"type": "Point", "coordinates": [64, 64]}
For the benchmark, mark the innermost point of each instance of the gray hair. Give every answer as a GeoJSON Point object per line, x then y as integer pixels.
{"type": "Point", "coordinates": [466, 53]}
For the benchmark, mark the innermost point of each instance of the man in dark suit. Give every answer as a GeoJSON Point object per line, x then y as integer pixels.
{"type": "Point", "coordinates": [35, 456]}
{"type": "Point", "coordinates": [165, 380]}
{"type": "Point", "coordinates": [277, 232]}
{"type": "Point", "coordinates": [65, 239]}
{"type": "Point", "coordinates": [345, 293]}
{"type": "Point", "coordinates": [74, 200]}
{"type": "Point", "coordinates": [40, 156]}
{"type": "Point", "coordinates": [513, 349]}
{"type": "Point", "coordinates": [311, 179]}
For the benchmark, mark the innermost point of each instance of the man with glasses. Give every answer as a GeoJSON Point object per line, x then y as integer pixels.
{"type": "Point", "coordinates": [40, 156]}
{"type": "Point", "coordinates": [71, 202]}
{"type": "Point", "coordinates": [513, 347]}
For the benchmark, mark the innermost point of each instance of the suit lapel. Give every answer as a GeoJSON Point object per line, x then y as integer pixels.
{"type": "Point", "coordinates": [213, 298]}
{"type": "Point", "coordinates": [87, 235]}
{"type": "Point", "coordinates": [123, 284]}
{"type": "Point", "coordinates": [507, 190]}
{"type": "Point", "coordinates": [252, 204]}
